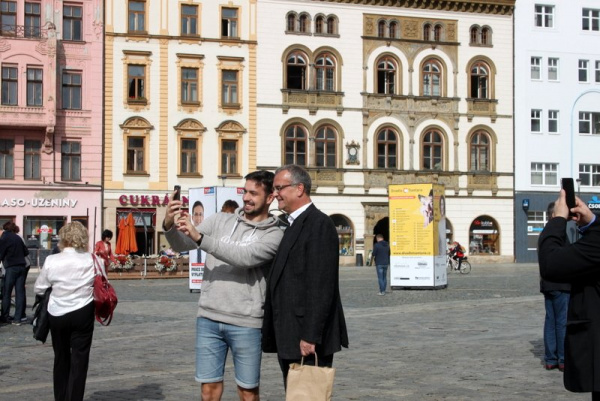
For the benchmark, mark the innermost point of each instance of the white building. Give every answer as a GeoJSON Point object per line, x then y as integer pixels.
{"type": "Point", "coordinates": [180, 104]}
{"type": "Point", "coordinates": [371, 93]}
{"type": "Point", "coordinates": [557, 109]}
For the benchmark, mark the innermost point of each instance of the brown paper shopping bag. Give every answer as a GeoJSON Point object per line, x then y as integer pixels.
{"type": "Point", "coordinates": [309, 383]}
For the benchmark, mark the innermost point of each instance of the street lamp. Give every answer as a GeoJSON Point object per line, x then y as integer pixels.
{"type": "Point", "coordinates": [223, 177]}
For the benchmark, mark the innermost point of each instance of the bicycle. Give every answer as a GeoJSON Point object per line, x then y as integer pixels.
{"type": "Point", "coordinates": [452, 265]}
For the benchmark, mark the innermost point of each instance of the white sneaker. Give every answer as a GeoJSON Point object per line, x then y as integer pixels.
{"type": "Point", "coordinates": [381, 293]}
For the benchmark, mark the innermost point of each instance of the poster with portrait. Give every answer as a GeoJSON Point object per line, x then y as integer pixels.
{"type": "Point", "coordinates": [204, 202]}
{"type": "Point", "coordinates": [417, 236]}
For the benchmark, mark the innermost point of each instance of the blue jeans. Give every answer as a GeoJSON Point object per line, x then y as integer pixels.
{"type": "Point", "coordinates": [14, 278]}
{"type": "Point", "coordinates": [555, 326]}
{"type": "Point", "coordinates": [382, 277]}
{"type": "Point", "coordinates": [213, 340]}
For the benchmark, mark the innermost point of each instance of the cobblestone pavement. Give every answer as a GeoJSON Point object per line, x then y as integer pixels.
{"type": "Point", "coordinates": [479, 339]}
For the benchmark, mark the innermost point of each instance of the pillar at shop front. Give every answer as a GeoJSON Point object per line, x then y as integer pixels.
{"type": "Point", "coordinates": [417, 236]}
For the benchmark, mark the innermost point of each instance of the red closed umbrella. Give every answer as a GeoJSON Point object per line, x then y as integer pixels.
{"type": "Point", "coordinates": [122, 238]}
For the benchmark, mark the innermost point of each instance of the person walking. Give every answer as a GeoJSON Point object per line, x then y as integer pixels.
{"type": "Point", "coordinates": [12, 255]}
{"type": "Point", "coordinates": [70, 273]}
{"type": "Point", "coordinates": [303, 309]}
{"type": "Point", "coordinates": [240, 247]}
{"type": "Point", "coordinates": [578, 264]}
{"type": "Point", "coordinates": [103, 248]}
{"type": "Point", "coordinates": [381, 254]}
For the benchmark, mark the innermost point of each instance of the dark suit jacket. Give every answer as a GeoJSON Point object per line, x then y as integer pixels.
{"type": "Point", "coordinates": [12, 250]}
{"type": "Point", "coordinates": [578, 264]}
{"type": "Point", "coordinates": [303, 297]}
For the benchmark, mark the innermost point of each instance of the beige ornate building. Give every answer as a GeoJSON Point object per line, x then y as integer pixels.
{"type": "Point", "coordinates": [371, 93]}
{"type": "Point", "coordinates": [180, 104]}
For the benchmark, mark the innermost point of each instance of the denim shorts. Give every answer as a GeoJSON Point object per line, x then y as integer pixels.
{"type": "Point", "coordinates": [213, 340]}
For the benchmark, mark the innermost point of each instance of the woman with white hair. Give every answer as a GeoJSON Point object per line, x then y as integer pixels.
{"type": "Point", "coordinates": [71, 309]}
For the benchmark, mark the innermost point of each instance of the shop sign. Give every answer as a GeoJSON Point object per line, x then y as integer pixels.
{"type": "Point", "coordinates": [594, 203]}
{"type": "Point", "coordinates": [38, 202]}
{"type": "Point", "coordinates": [147, 200]}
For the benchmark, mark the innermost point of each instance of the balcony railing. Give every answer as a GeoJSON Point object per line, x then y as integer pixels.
{"type": "Point", "coordinates": [23, 32]}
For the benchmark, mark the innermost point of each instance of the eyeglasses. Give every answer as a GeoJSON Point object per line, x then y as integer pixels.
{"type": "Point", "coordinates": [278, 188]}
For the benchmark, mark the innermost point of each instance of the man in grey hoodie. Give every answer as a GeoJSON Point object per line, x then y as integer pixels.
{"type": "Point", "coordinates": [240, 248]}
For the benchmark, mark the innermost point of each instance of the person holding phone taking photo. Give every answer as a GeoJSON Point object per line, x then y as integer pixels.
{"type": "Point", "coordinates": [578, 264]}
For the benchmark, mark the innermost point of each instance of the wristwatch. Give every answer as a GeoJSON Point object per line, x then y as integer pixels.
{"type": "Point", "coordinates": [199, 241]}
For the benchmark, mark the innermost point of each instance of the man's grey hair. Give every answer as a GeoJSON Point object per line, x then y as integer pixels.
{"type": "Point", "coordinates": [298, 175]}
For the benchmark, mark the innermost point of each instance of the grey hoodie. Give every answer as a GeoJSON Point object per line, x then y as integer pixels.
{"type": "Point", "coordinates": [239, 253]}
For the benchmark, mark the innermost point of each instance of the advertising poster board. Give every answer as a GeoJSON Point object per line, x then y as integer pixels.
{"type": "Point", "coordinates": [207, 201]}
{"type": "Point", "coordinates": [417, 236]}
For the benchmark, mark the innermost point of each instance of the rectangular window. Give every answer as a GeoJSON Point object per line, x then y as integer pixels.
{"type": "Point", "coordinates": [189, 20]}
{"type": "Point", "coordinates": [230, 88]}
{"type": "Point", "coordinates": [32, 20]}
{"type": "Point", "coordinates": [583, 70]}
{"type": "Point", "coordinates": [536, 64]}
{"type": "Point", "coordinates": [229, 157]}
{"type": "Point", "coordinates": [544, 16]}
{"type": "Point", "coordinates": [8, 18]}
{"type": "Point", "coordinates": [71, 161]}
{"type": "Point", "coordinates": [589, 123]}
{"type": "Point", "coordinates": [137, 17]}
{"type": "Point", "coordinates": [189, 156]}
{"type": "Point", "coordinates": [544, 173]}
{"type": "Point", "coordinates": [135, 155]}
{"type": "Point", "coordinates": [7, 158]}
{"type": "Point", "coordinates": [71, 90]}
{"type": "Point", "coordinates": [536, 221]}
{"type": "Point", "coordinates": [189, 85]}
{"type": "Point", "coordinates": [536, 120]}
{"type": "Point", "coordinates": [553, 121]}
{"type": "Point", "coordinates": [597, 72]}
{"type": "Point", "coordinates": [229, 22]}
{"type": "Point", "coordinates": [589, 174]}
{"type": "Point", "coordinates": [33, 155]}
{"type": "Point", "coordinates": [136, 77]}
{"type": "Point", "coordinates": [552, 69]}
{"type": "Point", "coordinates": [72, 22]}
{"type": "Point", "coordinates": [590, 20]}
{"type": "Point", "coordinates": [9, 86]}
{"type": "Point", "coordinates": [35, 85]}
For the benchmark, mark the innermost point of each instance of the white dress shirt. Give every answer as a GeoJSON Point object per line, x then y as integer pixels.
{"type": "Point", "coordinates": [294, 215]}
{"type": "Point", "coordinates": [71, 276]}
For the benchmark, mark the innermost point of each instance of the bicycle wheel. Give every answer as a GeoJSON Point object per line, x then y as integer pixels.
{"type": "Point", "coordinates": [465, 267]}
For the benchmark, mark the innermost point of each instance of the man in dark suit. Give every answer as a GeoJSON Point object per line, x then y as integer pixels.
{"type": "Point", "coordinates": [578, 264]}
{"type": "Point", "coordinates": [303, 310]}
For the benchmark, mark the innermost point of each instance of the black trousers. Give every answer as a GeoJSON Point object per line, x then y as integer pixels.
{"type": "Point", "coordinates": [324, 361]}
{"type": "Point", "coordinates": [71, 340]}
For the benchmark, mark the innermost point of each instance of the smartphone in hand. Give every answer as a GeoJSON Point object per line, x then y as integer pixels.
{"type": "Point", "coordinates": [177, 194]}
{"type": "Point", "coordinates": [569, 187]}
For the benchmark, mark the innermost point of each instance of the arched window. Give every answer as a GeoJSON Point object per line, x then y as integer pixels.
{"type": "Point", "coordinates": [331, 26]}
{"type": "Point", "coordinates": [296, 71]}
{"type": "Point", "coordinates": [325, 147]}
{"type": "Point", "coordinates": [343, 225]}
{"type": "Point", "coordinates": [480, 152]}
{"type": "Point", "coordinates": [427, 32]}
{"type": "Point", "coordinates": [295, 145]}
{"type": "Point", "coordinates": [381, 29]}
{"type": "Point", "coordinates": [433, 146]}
{"type": "Point", "coordinates": [325, 72]}
{"type": "Point", "coordinates": [432, 76]}
{"type": "Point", "coordinates": [386, 76]}
{"type": "Point", "coordinates": [484, 236]}
{"type": "Point", "coordinates": [474, 37]}
{"type": "Point", "coordinates": [437, 33]}
{"type": "Point", "coordinates": [303, 23]}
{"type": "Point", "coordinates": [319, 22]}
{"type": "Point", "coordinates": [479, 80]}
{"type": "Point", "coordinates": [291, 22]}
{"type": "Point", "coordinates": [393, 29]}
{"type": "Point", "coordinates": [387, 148]}
{"type": "Point", "coordinates": [486, 36]}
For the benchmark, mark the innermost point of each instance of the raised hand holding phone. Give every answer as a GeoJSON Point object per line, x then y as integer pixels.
{"type": "Point", "coordinates": [569, 187]}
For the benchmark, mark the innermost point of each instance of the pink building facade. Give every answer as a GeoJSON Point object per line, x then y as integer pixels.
{"type": "Point", "coordinates": [51, 132]}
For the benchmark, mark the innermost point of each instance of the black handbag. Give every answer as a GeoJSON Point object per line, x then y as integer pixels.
{"type": "Point", "coordinates": [41, 321]}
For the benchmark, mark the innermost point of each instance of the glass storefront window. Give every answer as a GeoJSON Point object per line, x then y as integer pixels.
{"type": "Point", "coordinates": [44, 230]}
{"type": "Point", "coordinates": [345, 234]}
{"type": "Point", "coordinates": [484, 236]}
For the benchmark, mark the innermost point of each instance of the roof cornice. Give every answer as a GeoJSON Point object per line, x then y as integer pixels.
{"type": "Point", "coordinates": [502, 7]}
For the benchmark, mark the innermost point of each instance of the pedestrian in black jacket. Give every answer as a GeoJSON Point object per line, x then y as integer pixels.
{"type": "Point", "coordinates": [12, 255]}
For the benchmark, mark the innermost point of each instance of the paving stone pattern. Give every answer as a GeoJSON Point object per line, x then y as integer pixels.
{"type": "Point", "coordinates": [479, 339]}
